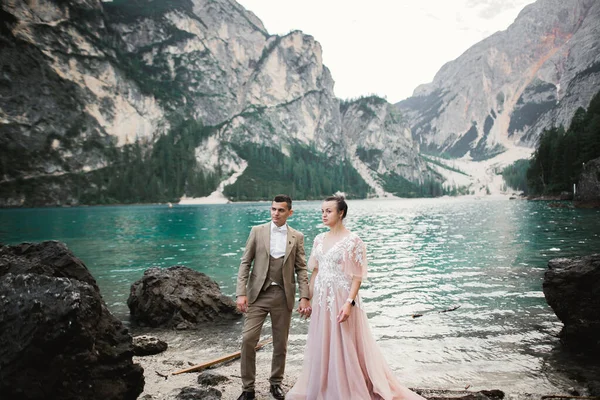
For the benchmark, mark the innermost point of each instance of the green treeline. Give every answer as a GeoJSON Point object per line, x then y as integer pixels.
{"type": "Point", "coordinates": [164, 173]}
{"type": "Point", "coordinates": [402, 187]}
{"type": "Point", "coordinates": [515, 175]}
{"type": "Point", "coordinates": [558, 160]}
{"type": "Point", "coordinates": [303, 174]}
{"type": "Point", "coordinates": [363, 104]}
{"type": "Point", "coordinates": [129, 11]}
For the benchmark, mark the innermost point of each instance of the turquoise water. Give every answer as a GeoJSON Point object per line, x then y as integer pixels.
{"type": "Point", "coordinates": [485, 256]}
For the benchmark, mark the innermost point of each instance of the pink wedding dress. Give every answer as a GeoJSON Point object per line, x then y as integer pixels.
{"type": "Point", "coordinates": [342, 361]}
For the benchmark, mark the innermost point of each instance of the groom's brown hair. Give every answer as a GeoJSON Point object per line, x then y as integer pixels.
{"type": "Point", "coordinates": [283, 198]}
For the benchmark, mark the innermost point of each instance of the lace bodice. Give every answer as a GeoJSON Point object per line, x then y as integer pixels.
{"type": "Point", "coordinates": [337, 267]}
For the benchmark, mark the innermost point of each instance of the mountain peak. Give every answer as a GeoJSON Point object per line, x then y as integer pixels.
{"type": "Point", "coordinates": [506, 89]}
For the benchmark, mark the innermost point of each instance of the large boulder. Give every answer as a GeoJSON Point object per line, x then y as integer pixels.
{"type": "Point", "coordinates": [571, 287]}
{"type": "Point", "coordinates": [178, 297]}
{"type": "Point", "coordinates": [588, 189]}
{"type": "Point", "coordinates": [57, 338]}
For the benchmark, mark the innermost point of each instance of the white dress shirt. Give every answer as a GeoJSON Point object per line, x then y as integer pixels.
{"type": "Point", "coordinates": [278, 240]}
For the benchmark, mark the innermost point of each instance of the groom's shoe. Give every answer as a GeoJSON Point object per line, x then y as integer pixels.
{"type": "Point", "coordinates": [277, 392]}
{"type": "Point", "coordinates": [247, 396]}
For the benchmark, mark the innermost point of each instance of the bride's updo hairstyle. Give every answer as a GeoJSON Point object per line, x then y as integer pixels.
{"type": "Point", "coordinates": [340, 202]}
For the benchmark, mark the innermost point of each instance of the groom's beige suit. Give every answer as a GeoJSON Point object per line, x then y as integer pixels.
{"type": "Point", "coordinates": [265, 298]}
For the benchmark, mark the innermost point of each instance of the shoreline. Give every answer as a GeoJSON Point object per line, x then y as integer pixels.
{"type": "Point", "coordinates": [192, 347]}
{"type": "Point", "coordinates": [215, 200]}
{"type": "Point", "coordinates": [207, 201]}
{"type": "Point", "coordinates": [494, 196]}
{"type": "Point", "coordinates": [160, 384]}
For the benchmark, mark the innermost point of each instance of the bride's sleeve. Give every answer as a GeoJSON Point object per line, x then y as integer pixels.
{"type": "Point", "coordinates": [312, 260]}
{"type": "Point", "coordinates": [356, 263]}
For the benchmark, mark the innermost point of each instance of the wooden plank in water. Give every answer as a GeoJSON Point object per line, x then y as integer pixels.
{"type": "Point", "coordinates": [220, 360]}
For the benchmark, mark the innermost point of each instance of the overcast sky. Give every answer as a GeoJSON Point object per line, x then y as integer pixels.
{"type": "Point", "coordinates": [387, 47]}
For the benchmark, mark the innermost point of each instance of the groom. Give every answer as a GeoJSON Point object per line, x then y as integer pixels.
{"type": "Point", "coordinates": [266, 285]}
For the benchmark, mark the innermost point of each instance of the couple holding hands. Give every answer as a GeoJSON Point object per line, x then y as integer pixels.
{"type": "Point", "coordinates": [342, 359]}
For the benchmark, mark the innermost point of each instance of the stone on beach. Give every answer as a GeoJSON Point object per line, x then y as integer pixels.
{"type": "Point", "coordinates": [209, 378]}
{"type": "Point", "coordinates": [148, 345]}
{"type": "Point", "coordinates": [178, 297]}
{"type": "Point", "coordinates": [441, 394]}
{"type": "Point", "coordinates": [57, 337]}
{"type": "Point", "coordinates": [192, 393]}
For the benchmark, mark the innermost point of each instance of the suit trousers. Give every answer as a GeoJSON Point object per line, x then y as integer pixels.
{"type": "Point", "coordinates": [271, 301]}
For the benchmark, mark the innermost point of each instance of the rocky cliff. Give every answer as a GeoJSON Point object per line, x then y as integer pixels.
{"type": "Point", "coordinates": [588, 195]}
{"type": "Point", "coordinates": [82, 80]}
{"type": "Point", "coordinates": [381, 143]}
{"type": "Point", "coordinates": [507, 88]}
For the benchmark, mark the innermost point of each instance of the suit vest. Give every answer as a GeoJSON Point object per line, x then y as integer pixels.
{"type": "Point", "coordinates": [275, 274]}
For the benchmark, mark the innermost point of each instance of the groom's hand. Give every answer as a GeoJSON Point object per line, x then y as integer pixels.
{"type": "Point", "coordinates": [242, 303]}
{"type": "Point", "coordinates": [305, 309]}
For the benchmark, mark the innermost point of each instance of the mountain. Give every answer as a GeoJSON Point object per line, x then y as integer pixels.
{"type": "Point", "coordinates": [381, 143]}
{"type": "Point", "coordinates": [154, 101]}
{"type": "Point", "coordinates": [503, 91]}
{"type": "Point", "coordinates": [149, 100]}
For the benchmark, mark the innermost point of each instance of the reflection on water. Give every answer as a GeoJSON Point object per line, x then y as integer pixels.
{"type": "Point", "coordinates": [486, 257]}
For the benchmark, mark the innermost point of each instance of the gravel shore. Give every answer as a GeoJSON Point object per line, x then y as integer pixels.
{"type": "Point", "coordinates": [188, 348]}
{"type": "Point", "coordinates": [193, 347]}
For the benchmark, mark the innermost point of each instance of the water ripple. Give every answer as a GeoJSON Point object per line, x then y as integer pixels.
{"type": "Point", "coordinates": [484, 259]}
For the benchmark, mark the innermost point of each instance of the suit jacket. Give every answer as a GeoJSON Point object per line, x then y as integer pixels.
{"type": "Point", "coordinates": [254, 266]}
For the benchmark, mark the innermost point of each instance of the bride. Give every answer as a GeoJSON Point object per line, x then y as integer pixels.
{"type": "Point", "coordinates": [342, 359]}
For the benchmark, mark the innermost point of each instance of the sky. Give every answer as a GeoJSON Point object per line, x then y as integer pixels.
{"type": "Point", "coordinates": [387, 47]}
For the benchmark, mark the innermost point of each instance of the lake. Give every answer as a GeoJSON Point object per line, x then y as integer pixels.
{"type": "Point", "coordinates": [485, 256]}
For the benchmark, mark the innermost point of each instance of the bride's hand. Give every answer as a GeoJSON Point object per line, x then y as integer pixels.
{"type": "Point", "coordinates": [304, 308]}
{"type": "Point", "coordinates": [344, 312]}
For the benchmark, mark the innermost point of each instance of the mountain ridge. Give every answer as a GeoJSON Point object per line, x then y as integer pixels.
{"type": "Point", "coordinates": [111, 80]}
{"type": "Point", "coordinates": [95, 98]}
{"type": "Point", "coordinates": [503, 91]}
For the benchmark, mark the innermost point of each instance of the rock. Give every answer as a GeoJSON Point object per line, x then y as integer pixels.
{"type": "Point", "coordinates": [148, 345]}
{"type": "Point", "coordinates": [571, 289]}
{"type": "Point", "coordinates": [437, 394]}
{"type": "Point", "coordinates": [47, 258]}
{"type": "Point", "coordinates": [594, 388]}
{"type": "Point", "coordinates": [209, 378]}
{"type": "Point", "coordinates": [493, 394]}
{"type": "Point", "coordinates": [588, 189]}
{"type": "Point", "coordinates": [178, 297]}
{"type": "Point", "coordinates": [57, 338]}
{"type": "Point", "coordinates": [192, 393]}
{"type": "Point", "coordinates": [573, 392]}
